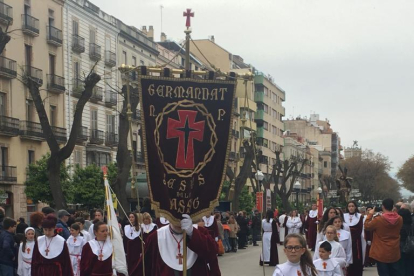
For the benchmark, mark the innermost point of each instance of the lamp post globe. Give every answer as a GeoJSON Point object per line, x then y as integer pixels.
{"type": "Point", "coordinates": [259, 177]}
{"type": "Point", "coordinates": [297, 187]}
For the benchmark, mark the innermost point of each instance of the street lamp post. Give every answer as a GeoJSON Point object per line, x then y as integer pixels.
{"type": "Point", "coordinates": [297, 187]}
{"type": "Point", "coordinates": [259, 177]}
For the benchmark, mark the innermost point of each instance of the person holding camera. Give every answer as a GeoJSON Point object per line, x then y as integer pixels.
{"type": "Point", "coordinates": [385, 247]}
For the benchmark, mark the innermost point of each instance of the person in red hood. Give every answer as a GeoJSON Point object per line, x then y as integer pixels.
{"type": "Point", "coordinates": [385, 246]}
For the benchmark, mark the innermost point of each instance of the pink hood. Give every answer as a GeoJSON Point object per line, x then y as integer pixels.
{"type": "Point", "coordinates": [391, 217]}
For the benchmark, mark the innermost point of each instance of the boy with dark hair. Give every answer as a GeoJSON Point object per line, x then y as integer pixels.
{"type": "Point", "coordinates": [7, 252]}
{"type": "Point", "coordinates": [385, 247]}
{"type": "Point", "coordinates": [325, 265]}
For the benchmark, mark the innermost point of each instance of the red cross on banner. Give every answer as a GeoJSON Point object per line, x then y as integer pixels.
{"type": "Point", "coordinates": [186, 130]}
{"type": "Point", "coordinates": [188, 14]}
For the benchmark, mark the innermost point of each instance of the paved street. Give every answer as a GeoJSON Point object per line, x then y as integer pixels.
{"type": "Point", "coordinates": [246, 262]}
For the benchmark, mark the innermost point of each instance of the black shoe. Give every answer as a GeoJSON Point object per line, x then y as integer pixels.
{"type": "Point", "coordinates": [255, 244]}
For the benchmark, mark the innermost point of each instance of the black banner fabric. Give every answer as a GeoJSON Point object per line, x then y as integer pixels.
{"type": "Point", "coordinates": [186, 135]}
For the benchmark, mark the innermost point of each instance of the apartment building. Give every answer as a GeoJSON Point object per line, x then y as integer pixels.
{"type": "Point", "coordinates": [91, 38]}
{"type": "Point", "coordinates": [35, 50]}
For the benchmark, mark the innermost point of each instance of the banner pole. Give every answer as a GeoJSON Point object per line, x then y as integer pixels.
{"type": "Point", "coordinates": [184, 253]}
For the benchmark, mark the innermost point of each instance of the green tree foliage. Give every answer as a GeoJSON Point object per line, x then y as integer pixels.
{"type": "Point", "coordinates": [246, 201]}
{"type": "Point", "coordinates": [406, 174]}
{"type": "Point", "coordinates": [370, 173]}
{"type": "Point", "coordinates": [225, 190]}
{"type": "Point", "coordinates": [37, 183]}
{"type": "Point", "coordinates": [88, 186]}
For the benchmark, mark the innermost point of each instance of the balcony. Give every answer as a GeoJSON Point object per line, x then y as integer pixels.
{"type": "Point", "coordinates": [259, 116]}
{"type": "Point", "coordinates": [77, 87]}
{"type": "Point", "coordinates": [139, 158]}
{"type": "Point", "coordinates": [235, 133]}
{"type": "Point", "coordinates": [259, 97]}
{"type": "Point", "coordinates": [94, 51]}
{"type": "Point", "coordinates": [7, 68]}
{"type": "Point", "coordinates": [60, 134]}
{"type": "Point", "coordinates": [6, 14]}
{"type": "Point", "coordinates": [9, 126]}
{"type": "Point", "coordinates": [96, 137]}
{"type": "Point", "coordinates": [31, 130]}
{"type": "Point", "coordinates": [78, 44]}
{"type": "Point", "coordinates": [30, 25]}
{"type": "Point", "coordinates": [55, 84]}
{"type": "Point", "coordinates": [263, 160]}
{"type": "Point", "coordinates": [260, 132]}
{"type": "Point", "coordinates": [97, 94]}
{"type": "Point", "coordinates": [54, 36]}
{"type": "Point", "coordinates": [110, 98]}
{"type": "Point", "coordinates": [111, 139]}
{"type": "Point", "coordinates": [82, 135]}
{"type": "Point", "coordinates": [8, 174]}
{"type": "Point", "coordinates": [35, 74]}
{"type": "Point", "coordinates": [110, 59]}
{"type": "Point", "coordinates": [233, 155]}
{"type": "Point", "coordinates": [136, 116]}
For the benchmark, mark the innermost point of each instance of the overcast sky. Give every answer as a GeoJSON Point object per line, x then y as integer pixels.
{"type": "Point", "coordinates": [351, 61]}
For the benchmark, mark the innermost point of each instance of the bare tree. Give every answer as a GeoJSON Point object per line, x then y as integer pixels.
{"type": "Point", "coordinates": [4, 39]}
{"type": "Point", "coordinates": [286, 172]}
{"type": "Point", "coordinates": [57, 154]}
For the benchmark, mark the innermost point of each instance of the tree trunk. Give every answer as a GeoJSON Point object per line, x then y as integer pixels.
{"type": "Point", "coordinates": [53, 167]}
{"type": "Point", "coordinates": [285, 202]}
{"type": "Point", "coordinates": [236, 201]}
{"type": "Point", "coordinates": [4, 39]}
{"type": "Point", "coordinates": [123, 155]}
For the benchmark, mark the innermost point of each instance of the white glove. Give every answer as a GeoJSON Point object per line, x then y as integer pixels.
{"type": "Point", "coordinates": [216, 239]}
{"type": "Point", "coordinates": [369, 242]}
{"type": "Point", "coordinates": [187, 225]}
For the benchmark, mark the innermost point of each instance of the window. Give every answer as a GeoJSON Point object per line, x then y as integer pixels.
{"type": "Point", "coordinates": [76, 70]}
{"type": "Point", "coordinates": [266, 92]}
{"type": "Point", "coordinates": [51, 18]}
{"type": "Point", "coordinates": [110, 123]}
{"type": "Point", "coordinates": [30, 109]}
{"type": "Point", "coordinates": [77, 157]}
{"type": "Point", "coordinates": [274, 130]}
{"type": "Point", "coordinates": [107, 43]}
{"type": "Point", "coordinates": [142, 62]}
{"type": "Point", "coordinates": [325, 164]}
{"type": "Point", "coordinates": [98, 158]}
{"type": "Point", "coordinates": [28, 55]}
{"type": "Point", "coordinates": [75, 27]}
{"type": "Point", "coordinates": [274, 97]}
{"type": "Point", "coordinates": [27, 7]}
{"type": "Point", "coordinates": [92, 36]}
{"type": "Point", "coordinates": [265, 143]}
{"type": "Point", "coordinates": [30, 157]}
{"type": "Point", "coordinates": [53, 116]}
{"type": "Point", "coordinates": [4, 161]}
{"type": "Point", "coordinates": [52, 62]}
{"type": "Point", "coordinates": [2, 104]}
{"type": "Point", "coordinates": [134, 61]}
{"type": "Point", "coordinates": [265, 125]}
{"type": "Point", "coordinates": [124, 56]}
{"type": "Point", "coordinates": [94, 119]}
{"type": "Point", "coordinates": [274, 113]}
{"type": "Point", "coordinates": [266, 108]}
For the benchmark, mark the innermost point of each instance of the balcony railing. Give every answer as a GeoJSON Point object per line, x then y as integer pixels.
{"type": "Point", "coordinates": [7, 67]}
{"type": "Point", "coordinates": [6, 13]}
{"type": "Point", "coordinates": [31, 130]}
{"type": "Point", "coordinates": [60, 134]}
{"type": "Point", "coordinates": [97, 94]}
{"type": "Point", "coordinates": [55, 83]}
{"type": "Point", "coordinates": [96, 136]}
{"type": "Point", "coordinates": [110, 98]}
{"type": "Point", "coordinates": [111, 139]}
{"type": "Point", "coordinates": [94, 51]}
{"type": "Point", "coordinates": [78, 43]}
{"type": "Point", "coordinates": [54, 36]}
{"type": "Point", "coordinates": [110, 59]}
{"type": "Point", "coordinates": [8, 174]}
{"type": "Point", "coordinates": [35, 74]}
{"type": "Point", "coordinates": [9, 126]}
{"type": "Point", "coordinates": [139, 158]}
{"type": "Point", "coordinates": [78, 86]}
{"type": "Point", "coordinates": [30, 25]}
{"type": "Point", "coordinates": [82, 135]}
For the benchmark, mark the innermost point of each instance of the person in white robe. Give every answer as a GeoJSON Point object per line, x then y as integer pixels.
{"type": "Point", "coordinates": [282, 227]}
{"type": "Point", "coordinates": [337, 251]}
{"type": "Point", "coordinates": [294, 223]}
{"type": "Point", "coordinates": [25, 253]}
{"type": "Point", "coordinates": [75, 244]}
{"type": "Point", "coordinates": [81, 222]}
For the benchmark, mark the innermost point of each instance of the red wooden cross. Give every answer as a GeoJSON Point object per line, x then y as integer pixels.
{"type": "Point", "coordinates": [324, 265]}
{"type": "Point", "coordinates": [179, 257]}
{"type": "Point", "coordinates": [188, 14]}
{"type": "Point", "coordinates": [74, 239]}
{"type": "Point", "coordinates": [47, 251]}
{"type": "Point", "coordinates": [28, 250]}
{"type": "Point", "coordinates": [100, 256]}
{"type": "Point", "coordinates": [299, 273]}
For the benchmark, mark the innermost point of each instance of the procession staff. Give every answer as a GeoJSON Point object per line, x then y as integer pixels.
{"type": "Point", "coordinates": [270, 240]}
{"type": "Point", "coordinates": [356, 225]}
{"type": "Point", "coordinates": [96, 256]}
{"type": "Point", "coordinates": [50, 253]}
{"type": "Point", "coordinates": [26, 252]}
{"type": "Point", "coordinates": [164, 251]}
{"type": "Point", "coordinates": [312, 227]}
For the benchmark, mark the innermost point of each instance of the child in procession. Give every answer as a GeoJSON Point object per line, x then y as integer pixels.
{"type": "Point", "coordinates": [81, 222]}
{"type": "Point", "coordinates": [25, 253]}
{"type": "Point", "coordinates": [299, 258]}
{"type": "Point", "coordinates": [75, 244]}
{"type": "Point", "coordinates": [337, 251]}
{"type": "Point", "coordinates": [325, 265]}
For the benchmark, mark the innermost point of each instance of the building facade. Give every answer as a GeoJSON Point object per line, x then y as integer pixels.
{"type": "Point", "coordinates": [91, 38]}
{"type": "Point", "coordinates": [35, 50]}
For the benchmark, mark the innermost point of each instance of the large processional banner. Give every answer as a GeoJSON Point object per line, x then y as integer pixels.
{"type": "Point", "coordinates": [186, 137]}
